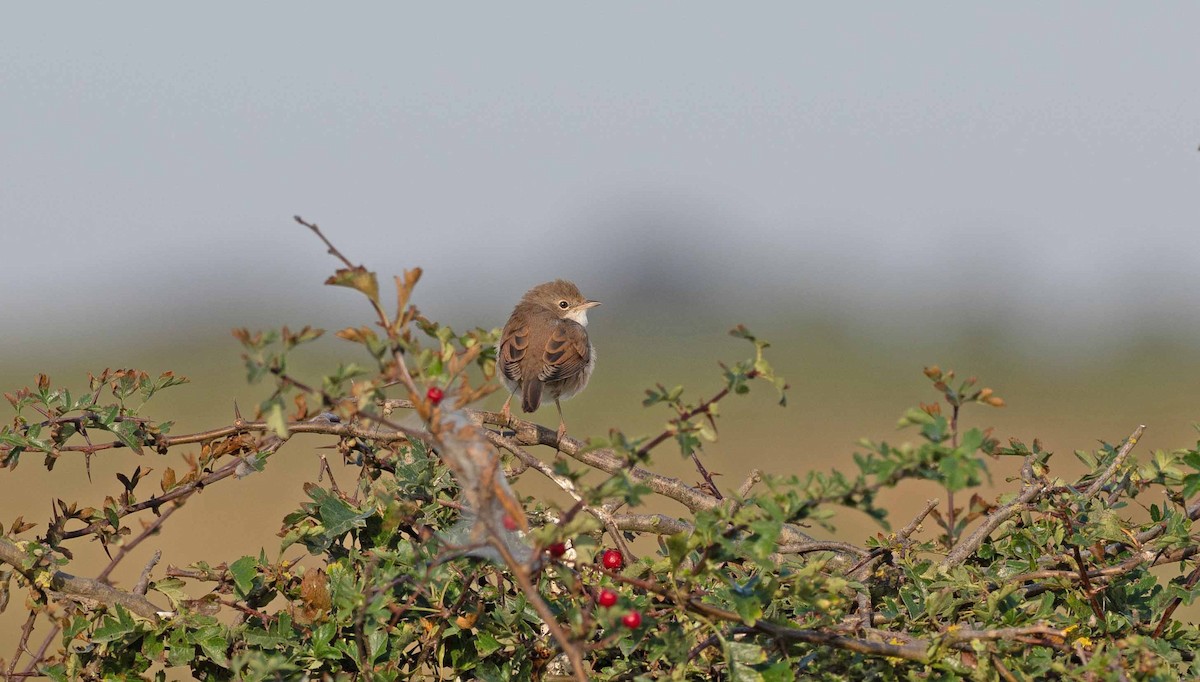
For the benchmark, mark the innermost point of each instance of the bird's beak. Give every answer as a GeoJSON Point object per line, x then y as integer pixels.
{"type": "Point", "coordinates": [589, 304]}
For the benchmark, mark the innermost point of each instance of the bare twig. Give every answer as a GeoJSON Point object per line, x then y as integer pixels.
{"type": "Point", "coordinates": [1192, 578]}
{"type": "Point", "coordinates": [525, 433]}
{"type": "Point", "coordinates": [1113, 466]}
{"type": "Point", "coordinates": [127, 547]}
{"type": "Point", "coordinates": [1140, 558]}
{"type": "Point", "coordinates": [143, 583]}
{"type": "Point", "coordinates": [325, 470]}
{"type": "Point", "coordinates": [702, 408]}
{"type": "Point", "coordinates": [1087, 585]}
{"type": "Point", "coordinates": [40, 654]}
{"type": "Point", "coordinates": [862, 569]}
{"type": "Point", "coordinates": [529, 461]}
{"type": "Point", "coordinates": [124, 550]}
{"type": "Point", "coordinates": [178, 493]}
{"type": "Point", "coordinates": [951, 512]}
{"type": "Point", "coordinates": [911, 527]}
{"type": "Point", "coordinates": [709, 483]}
{"type": "Point", "coordinates": [752, 479]}
{"type": "Point", "coordinates": [528, 433]}
{"type": "Point", "coordinates": [23, 642]}
{"type": "Point", "coordinates": [1031, 489]}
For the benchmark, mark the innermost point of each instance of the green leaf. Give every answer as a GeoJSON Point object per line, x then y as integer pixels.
{"type": "Point", "coordinates": [337, 516]}
{"type": "Point", "coordinates": [153, 647]}
{"type": "Point", "coordinates": [486, 644]}
{"type": "Point", "coordinates": [914, 416]}
{"type": "Point", "coordinates": [214, 644]}
{"type": "Point", "coordinates": [376, 643]}
{"type": "Point", "coordinates": [127, 433]}
{"type": "Point", "coordinates": [172, 589]}
{"type": "Point", "coordinates": [749, 608]}
{"type": "Point", "coordinates": [1191, 486]}
{"type": "Point", "coordinates": [180, 648]}
{"type": "Point", "coordinates": [244, 571]}
{"type": "Point", "coordinates": [741, 656]}
{"type": "Point", "coordinates": [958, 471]}
{"type": "Point", "coordinates": [971, 441]}
{"type": "Point", "coordinates": [276, 419]}
{"type": "Point", "coordinates": [936, 430]}
{"type": "Point", "coordinates": [112, 629]}
{"type": "Point", "coordinates": [780, 672]}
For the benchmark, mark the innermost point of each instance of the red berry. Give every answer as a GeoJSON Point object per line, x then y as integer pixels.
{"type": "Point", "coordinates": [606, 598]}
{"type": "Point", "coordinates": [557, 549]}
{"type": "Point", "coordinates": [435, 394]}
{"type": "Point", "coordinates": [510, 524]}
{"type": "Point", "coordinates": [632, 620]}
{"type": "Point", "coordinates": [612, 559]}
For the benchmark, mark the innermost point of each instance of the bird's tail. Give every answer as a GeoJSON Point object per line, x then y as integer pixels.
{"type": "Point", "coordinates": [531, 395]}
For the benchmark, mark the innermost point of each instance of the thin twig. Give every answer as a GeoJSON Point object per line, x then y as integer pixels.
{"type": "Point", "coordinates": [329, 472]}
{"type": "Point", "coordinates": [23, 642]}
{"type": "Point", "coordinates": [950, 510]}
{"type": "Point", "coordinates": [40, 654]}
{"type": "Point", "coordinates": [127, 547]}
{"type": "Point", "coordinates": [709, 483]}
{"type": "Point", "coordinates": [752, 479]}
{"type": "Point", "coordinates": [143, 583]}
{"type": "Point", "coordinates": [702, 408]}
{"type": "Point", "coordinates": [1031, 489]}
{"type": "Point", "coordinates": [1113, 466]}
{"type": "Point", "coordinates": [1087, 585]}
{"type": "Point", "coordinates": [911, 527]}
{"type": "Point", "coordinates": [1192, 578]}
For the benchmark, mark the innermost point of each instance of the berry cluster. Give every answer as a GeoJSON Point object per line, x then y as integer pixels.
{"type": "Point", "coordinates": [613, 560]}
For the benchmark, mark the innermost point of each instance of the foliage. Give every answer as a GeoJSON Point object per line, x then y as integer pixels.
{"type": "Point", "coordinates": [430, 565]}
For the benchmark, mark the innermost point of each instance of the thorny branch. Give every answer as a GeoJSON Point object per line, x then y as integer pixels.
{"type": "Point", "coordinates": [138, 590]}
{"type": "Point", "coordinates": [58, 581]}
{"type": "Point", "coordinates": [884, 645]}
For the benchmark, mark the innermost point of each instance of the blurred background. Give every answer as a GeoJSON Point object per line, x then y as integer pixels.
{"type": "Point", "coordinates": [1010, 192]}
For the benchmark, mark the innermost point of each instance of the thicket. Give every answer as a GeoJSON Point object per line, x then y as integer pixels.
{"type": "Point", "coordinates": [429, 564]}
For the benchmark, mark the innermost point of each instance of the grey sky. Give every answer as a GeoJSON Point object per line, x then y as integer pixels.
{"type": "Point", "coordinates": [803, 157]}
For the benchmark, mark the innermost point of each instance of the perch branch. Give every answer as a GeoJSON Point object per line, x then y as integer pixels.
{"type": "Point", "coordinates": [75, 586]}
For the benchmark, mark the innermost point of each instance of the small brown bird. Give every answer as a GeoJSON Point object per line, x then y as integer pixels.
{"type": "Point", "coordinates": [545, 346]}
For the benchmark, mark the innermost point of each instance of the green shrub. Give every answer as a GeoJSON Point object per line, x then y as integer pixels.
{"type": "Point", "coordinates": [431, 565]}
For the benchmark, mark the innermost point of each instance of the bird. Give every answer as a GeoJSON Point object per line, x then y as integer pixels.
{"type": "Point", "coordinates": [544, 347]}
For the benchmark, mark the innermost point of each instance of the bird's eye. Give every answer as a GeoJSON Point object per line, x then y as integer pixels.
{"type": "Point", "coordinates": [563, 304]}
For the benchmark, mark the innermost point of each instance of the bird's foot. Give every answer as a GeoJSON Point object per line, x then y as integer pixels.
{"type": "Point", "coordinates": [562, 433]}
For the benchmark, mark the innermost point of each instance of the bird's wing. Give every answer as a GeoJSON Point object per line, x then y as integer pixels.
{"type": "Point", "coordinates": [566, 352]}
{"type": "Point", "coordinates": [514, 342]}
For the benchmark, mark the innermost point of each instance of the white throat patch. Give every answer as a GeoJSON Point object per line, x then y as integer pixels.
{"type": "Point", "coordinates": [579, 316]}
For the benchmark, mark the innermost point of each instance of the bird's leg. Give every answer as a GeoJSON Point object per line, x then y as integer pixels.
{"type": "Point", "coordinates": [562, 424]}
{"type": "Point", "coordinates": [504, 411]}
